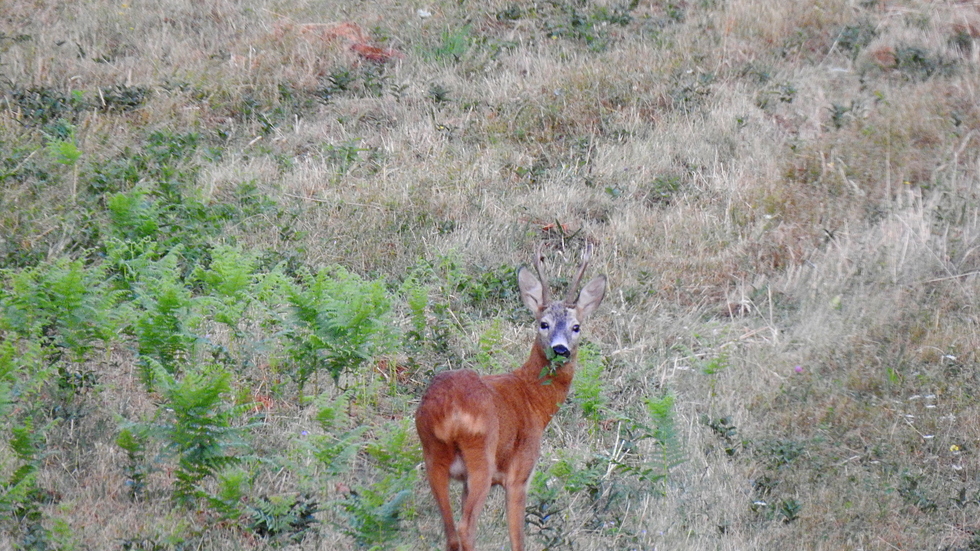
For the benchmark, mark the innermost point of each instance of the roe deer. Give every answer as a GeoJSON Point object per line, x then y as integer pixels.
{"type": "Point", "coordinates": [487, 430]}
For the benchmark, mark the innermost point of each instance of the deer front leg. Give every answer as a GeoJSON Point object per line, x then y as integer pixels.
{"type": "Point", "coordinates": [516, 504]}
{"type": "Point", "coordinates": [516, 488]}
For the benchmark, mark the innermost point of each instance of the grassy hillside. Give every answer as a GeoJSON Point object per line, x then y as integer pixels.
{"type": "Point", "coordinates": [237, 238]}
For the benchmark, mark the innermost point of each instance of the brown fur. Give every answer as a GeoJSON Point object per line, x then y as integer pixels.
{"type": "Point", "coordinates": [487, 430]}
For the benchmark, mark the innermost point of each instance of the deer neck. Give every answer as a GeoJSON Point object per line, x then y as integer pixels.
{"type": "Point", "coordinates": [547, 381]}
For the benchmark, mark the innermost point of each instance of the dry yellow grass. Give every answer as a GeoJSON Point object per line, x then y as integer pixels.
{"type": "Point", "coordinates": [784, 196]}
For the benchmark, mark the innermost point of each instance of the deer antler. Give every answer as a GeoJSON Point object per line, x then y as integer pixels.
{"type": "Point", "coordinates": [572, 295]}
{"type": "Point", "coordinates": [538, 258]}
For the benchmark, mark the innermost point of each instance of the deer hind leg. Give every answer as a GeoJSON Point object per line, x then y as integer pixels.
{"type": "Point", "coordinates": [479, 475]}
{"type": "Point", "coordinates": [438, 458]}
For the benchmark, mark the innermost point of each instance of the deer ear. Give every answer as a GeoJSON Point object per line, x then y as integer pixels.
{"type": "Point", "coordinates": [590, 297]}
{"type": "Point", "coordinates": [532, 291]}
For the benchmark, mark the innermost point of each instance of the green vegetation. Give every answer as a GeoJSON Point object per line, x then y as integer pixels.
{"type": "Point", "coordinates": [238, 239]}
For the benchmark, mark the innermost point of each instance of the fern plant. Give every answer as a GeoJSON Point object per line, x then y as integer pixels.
{"type": "Point", "coordinates": [67, 306]}
{"type": "Point", "coordinates": [416, 296]}
{"type": "Point", "coordinates": [167, 314]}
{"type": "Point", "coordinates": [589, 391]}
{"type": "Point", "coordinates": [132, 440]}
{"type": "Point", "coordinates": [198, 428]}
{"type": "Point", "coordinates": [25, 442]}
{"type": "Point", "coordinates": [374, 512]}
{"type": "Point", "coordinates": [395, 448]}
{"type": "Point", "coordinates": [339, 444]}
{"type": "Point", "coordinates": [489, 347]}
{"type": "Point", "coordinates": [667, 451]}
{"type": "Point", "coordinates": [230, 278]}
{"type": "Point", "coordinates": [133, 215]}
{"type": "Point", "coordinates": [25, 373]}
{"type": "Point", "coordinates": [233, 484]}
{"type": "Point", "coordinates": [340, 321]}
{"type": "Point", "coordinates": [22, 497]}
{"type": "Point", "coordinates": [287, 517]}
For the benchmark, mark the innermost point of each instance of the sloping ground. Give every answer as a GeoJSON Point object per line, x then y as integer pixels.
{"type": "Point", "coordinates": [238, 238]}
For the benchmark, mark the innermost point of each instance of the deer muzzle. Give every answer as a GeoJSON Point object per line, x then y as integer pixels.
{"type": "Point", "coordinates": [561, 350]}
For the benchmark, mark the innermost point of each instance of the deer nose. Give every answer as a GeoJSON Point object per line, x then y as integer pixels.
{"type": "Point", "coordinates": [561, 350]}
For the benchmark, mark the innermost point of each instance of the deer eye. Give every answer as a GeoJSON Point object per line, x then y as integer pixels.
{"type": "Point", "coordinates": [576, 328]}
{"type": "Point", "coordinates": [545, 325]}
